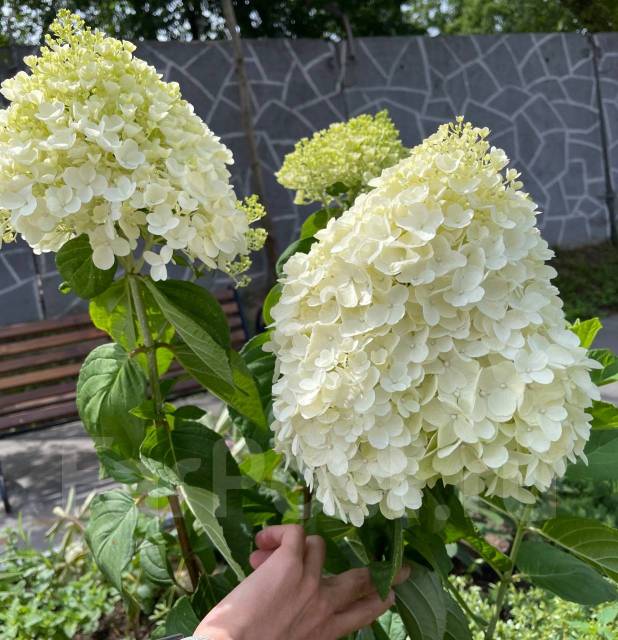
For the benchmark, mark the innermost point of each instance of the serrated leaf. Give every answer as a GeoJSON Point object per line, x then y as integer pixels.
{"type": "Point", "coordinates": [443, 513]}
{"type": "Point", "coordinates": [391, 625]}
{"type": "Point", "coordinates": [586, 331]}
{"type": "Point", "coordinates": [383, 572]}
{"type": "Point", "coordinates": [211, 589]}
{"type": "Point", "coordinates": [589, 540]}
{"type": "Point", "coordinates": [196, 336]}
{"type": "Point", "coordinates": [192, 456]}
{"type": "Point", "coordinates": [431, 548]}
{"type": "Point", "coordinates": [181, 618]}
{"type": "Point", "coordinates": [260, 466]}
{"type": "Point", "coordinates": [602, 453]}
{"type": "Point", "coordinates": [204, 505]}
{"type": "Point", "coordinates": [119, 467]}
{"type": "Point", "coordinates": [154, 561]}
{"type": "Point", "coordinates": [112, 312]}
{"type": "Point", "coordinates": [110, 532]}
{"type": "Point", "coordinates": [568, 577]}
{"type": "Point", "coordinates": [200, 305]}
{"type": "Point", "coordinates": [457, 627]}
{"type": "Point", "coordinates": [75, 265]}
{"type": "Point", "coordinates": [604, 415]}
{"type": "Point", "coordinates": [243, 396]}
{"type": "Point", "coordinates": [110, 384]}
{"type": "Point", "coordinates": [261, 366]}
{"type": "Point", "coordinates": [609, 372]}
{"type": "Point", "coordinates": [421, 604]}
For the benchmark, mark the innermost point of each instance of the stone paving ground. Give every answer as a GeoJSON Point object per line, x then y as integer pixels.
{"type": "Point", "coordinates": [41, 466]}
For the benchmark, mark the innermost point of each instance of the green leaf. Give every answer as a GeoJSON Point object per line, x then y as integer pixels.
{"type": "Point", "coordinates": [261, 365]}
{"type": "Point", "coordinates": [181, 618]}
{"type": "Point", "coordinates": [75, 265]}
{"type": "Point", "coordinates": [609, 372]}
{"type": "Point", "coordinates": [383, 572]}
{"type": "Point", "coordinates": [260, 466]}
{"type": "Point", "coordinates": [272, 297]}
{"type": "Point", "coordinates": [563, 574]}
{"type": "Point", "coordinates": [119, 467]}
{"type": "Point", "coordinates": [589, 540]}
{"type": "Point", "coordinates": [586, 331]}
{"type": "Point", "coordinates": [431, 548]}
{"type": "Point", "coordinates": [391, 625]}
{"type": "Point", "coordinates": [112, 312]}
{"type": "Point", "coordinates": [194, 457]}
{"type": "Point", "coordinates": [337, 189]}
{"type": "Point", "coordinates": [154, 561]}
{"type": "Point", "coordinates": [243, 396]}
{"type": "Point", "coordinates": [300, 246]}
{"type": "Point", "coordinates": [204, 504]}
{"type": "Point", "coordinates": [211, 589]}
{"type": "Point", "coordinates": [317, 221]}
{"type": "Point", "coordinates": [457, 627]}
{"type": "Point", "coordinates": [197, 336]}
{"type": "Point", "coordinates": [200, 305]}
{"type": "Point", "coordinates": [443, 513]}
{"type": "Point", "coordinates": [604, 415]}
{"type": "Point", "coordinates": [110, 531]}
{"type": "Point", "coordinates": [421, 603]}
{"type": "Point", "coordinates": [602, 453]}
{"type": "Point", "coordinates": [110, 384]}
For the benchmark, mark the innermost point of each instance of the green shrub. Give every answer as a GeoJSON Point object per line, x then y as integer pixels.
{"type": "Point", "coordinates": [52, 594]}
{"type": "Point", "coordinates": [533, 614]}
{"type": "Point", "coordinates": [588, 280]}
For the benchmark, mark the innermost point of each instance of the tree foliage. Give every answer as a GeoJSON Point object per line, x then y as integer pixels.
{"type": "Point", "coordinates": [25, 22]}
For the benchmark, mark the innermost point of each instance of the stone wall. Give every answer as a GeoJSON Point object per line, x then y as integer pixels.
{"type": "Point", "coordinates": [536, 92]}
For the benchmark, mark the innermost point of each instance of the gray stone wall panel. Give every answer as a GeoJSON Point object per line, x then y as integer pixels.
{"type": "Point", "coordinates": [537, 92]}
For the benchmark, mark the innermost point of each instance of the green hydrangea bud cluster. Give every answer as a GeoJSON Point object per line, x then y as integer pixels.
{"type": "Point", "coordinates": [341, 159]}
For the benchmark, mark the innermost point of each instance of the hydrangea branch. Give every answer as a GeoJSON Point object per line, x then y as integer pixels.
{"type": "Point", "coordinates": [161, 423]}
{"type": "Point", "coordinates": [507, 576]}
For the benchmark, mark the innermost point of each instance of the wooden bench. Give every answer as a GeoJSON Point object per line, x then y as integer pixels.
{"type": "Point", "coordinates": [40, 362]}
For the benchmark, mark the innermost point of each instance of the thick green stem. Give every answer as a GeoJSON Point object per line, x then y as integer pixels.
{"type": "Point", "coordinates": [307, 499]}
{"type": "Point", "coordinates": [507, 576]}
{"type": "Point", "coordinates": [149, 348]}
{"type": "Point", "coordinates": [161, 422]}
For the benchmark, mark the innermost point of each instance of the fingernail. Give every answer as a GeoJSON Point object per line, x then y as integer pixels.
{"type": "Point", "coordinates": [406, 571]}
{"type": "Point", "coordinates": [390, 598]}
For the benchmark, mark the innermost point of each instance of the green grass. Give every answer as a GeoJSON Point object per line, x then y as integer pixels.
{"type": "Point", "coordinates": [588, 280]}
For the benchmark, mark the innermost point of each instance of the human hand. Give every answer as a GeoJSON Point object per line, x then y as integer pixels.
{"type": "Point", "coordinates": [288, 598]}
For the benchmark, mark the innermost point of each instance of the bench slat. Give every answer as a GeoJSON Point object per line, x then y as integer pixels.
{"type": "Point", "coordinates": [11, 402]}
{"type": "Point", "coordinates": [61, 411]}
{"type": "Point", "coordinates": [49, 351]}
{"type": "Point", "coordinates": [46, 342]}
{"type": "Point", "coordinates": [40, 375]}
{"type": "Point", "coordinates": [43, 326]}
{"type": "Point", "coordinates": [52, 356]}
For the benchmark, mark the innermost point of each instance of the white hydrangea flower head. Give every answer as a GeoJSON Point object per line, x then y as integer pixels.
{"type": "Point", "coordinates": [95, 142]}
{"type": "Point", "coordinates": [349, 153]}
{"type": "Point", "coordinates": [421, 339]}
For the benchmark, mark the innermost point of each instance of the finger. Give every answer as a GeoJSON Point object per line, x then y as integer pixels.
{"type": "Point", "coordinates": [361, 613]}
{"type": "Point", "coordinates": [259, 557]}
{"type": "Point", "coordinates": [402, 575]}
{"type": "Point", "coordinates": [284, 536]}
{"type": "Point", "coordinates": [348, 587]}
{"type": "Point", "coordinates": [315, 554]}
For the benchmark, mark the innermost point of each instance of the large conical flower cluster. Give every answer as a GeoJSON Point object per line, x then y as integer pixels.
{"type": "Point", "coordinates": [95, 142]}
{"type": "Point", "coordinates": [421, 339]}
